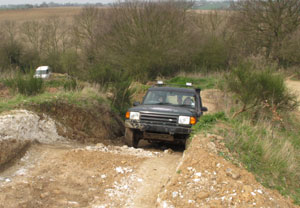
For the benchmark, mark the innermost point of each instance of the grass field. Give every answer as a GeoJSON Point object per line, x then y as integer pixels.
{"type": "Point", "coordinates": [67, 13]}
{"type": "Point", "coordinates": [39, 13]}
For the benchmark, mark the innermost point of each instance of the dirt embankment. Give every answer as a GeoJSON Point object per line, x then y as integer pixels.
{"type": "Point", "coordinates": [204, 179]}
{"type": "Point", "coordinates": [294, 86]}
{"type": "Point", "coordinates": [85, 124]}
{"type": "Point", "coordinates": [56, 122]}
{"type": "Point", "coordinates": [10, 149]}
{"type": "Point", "coordinates": [19, 128]}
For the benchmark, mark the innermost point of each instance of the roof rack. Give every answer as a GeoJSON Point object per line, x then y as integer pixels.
{"type": "Point", "coordinates": [161, 83]}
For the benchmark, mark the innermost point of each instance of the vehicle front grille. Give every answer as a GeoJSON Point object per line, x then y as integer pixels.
{"type": "Point", "coordinates": [159, 119]}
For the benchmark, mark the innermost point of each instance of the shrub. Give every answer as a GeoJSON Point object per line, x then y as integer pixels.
{"type": "Point", "coordinates": [262, 91]}
{"type": "Point", "coordinates": [213, 55]}
{"type": "Point", "coordinates": [117, 81]}
{"type": "Point", "coordinates": [29, 85]}
{"type": "Point", "coordinates": [25, 84]}
{"type": "Point", "coordinates": [102, 74]}
{"type": "Point", "coordinates": [201, 82]}
{"type": "Point", "coordinates": [69, 62]}
{"type": "Point", "coordinates": [70, 85]}
{"type": "Point", "coordinates": [122, 94]}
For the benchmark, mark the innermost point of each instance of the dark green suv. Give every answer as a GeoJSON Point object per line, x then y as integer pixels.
{"type": "Point", "coordinates": [165, 115]}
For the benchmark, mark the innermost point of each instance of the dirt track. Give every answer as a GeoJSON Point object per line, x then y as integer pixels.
{"type": "Point", "coordinates": [295, 87]}
{"type": "Point", "coordinates": [67, 174]}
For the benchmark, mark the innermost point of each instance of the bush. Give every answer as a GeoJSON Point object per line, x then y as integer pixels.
{"type": "Point", "coordinates": [261, 91]}
{"type": "Point", "coordinates": [69, 62]}
{"type": "Point", "coordinates": [117, 81]}
{"type": "Point", "coordinates": [203, 82]}
{"type": "Point", "coordinates": [213, 55]}
{"type": "Point", "coordinates": [25, 84]}
{"type": "Point", "coordinates": [122, 94]}
{"type": "Point", "coordinates": [29, 85]}
{"type": "Point", "coordinates": [102, 74]}
{"type": "Point", "coordinates": [10, 53]}
{"type": "Point", "coordinates": [70, 85]}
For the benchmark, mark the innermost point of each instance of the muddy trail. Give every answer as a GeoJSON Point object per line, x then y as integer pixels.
{"type": "Point", "coordinates": [294, 86]}
{"type": "Point", "coordinates": [54, 171]}
{"type": "Point", "coordinates": [72, 175]}
{"type": "Point", "coordinates": [42, 168]}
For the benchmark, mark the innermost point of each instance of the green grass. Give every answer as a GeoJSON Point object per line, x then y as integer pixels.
{"type": "Point", "coordinates": [207, 121]}
{"type": "Point", "coordinates": [55, 83]}
{"type": "Point", "coordinates": [79, 98]}
{"type": "Point", "coordinates": [272, 154]}
{"type": "Point", "coordinates": [203, 83]}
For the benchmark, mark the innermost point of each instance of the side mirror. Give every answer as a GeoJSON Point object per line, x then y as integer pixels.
{"type": "Point", "coordinates": [204, 109]}
{"type": "Point", "coordinates": [136, 103]}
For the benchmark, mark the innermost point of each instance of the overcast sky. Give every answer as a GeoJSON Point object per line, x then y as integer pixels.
{"type": "Point", "coordinates": [5, 2]}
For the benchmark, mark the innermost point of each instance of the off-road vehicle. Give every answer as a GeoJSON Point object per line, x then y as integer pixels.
{"type": "Point", "coordinates": [165, 115]}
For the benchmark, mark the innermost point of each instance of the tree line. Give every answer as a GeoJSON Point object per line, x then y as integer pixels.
{"type": "Point", "coordinates": [145, 39]}
{"type": "Point", "coordinates": [141, 40]}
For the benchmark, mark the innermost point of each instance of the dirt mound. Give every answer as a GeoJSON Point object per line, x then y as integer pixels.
{"type": "Point", "coordinates": [18, 128]}
{"type": "Point", "coordinates": [4, 91]}
{"type": "Point", "coordinates": [215, 100]}
{"type": "Point", "coordinates": [294, 86]}
{"type": "Point", "coordinates": [26, 125]}
{"type": "Point", "coordinates": [11, 148]}
{"type": "Point", "coordinates": [204, 179]}
{"type": "Point", "coordinates": [85, 124]}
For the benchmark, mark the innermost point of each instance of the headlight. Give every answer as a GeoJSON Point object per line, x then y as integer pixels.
{"type": "Point", "coordinates": [184, 120]}
{"type": "Point", "coordinates": [134, 116]}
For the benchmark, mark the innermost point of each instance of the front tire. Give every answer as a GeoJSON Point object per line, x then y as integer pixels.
{"type": "Point", "coordinates": [131, 139]}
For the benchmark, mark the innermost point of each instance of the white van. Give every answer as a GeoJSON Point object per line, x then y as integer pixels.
{"type": "Point", "coordinates": [43, 72]}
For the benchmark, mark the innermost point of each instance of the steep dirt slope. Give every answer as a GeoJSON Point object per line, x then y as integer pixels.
{"type": "Point", "coordinates": [204, 179]}
{"type": "Point", "coordinates": [295, 87]}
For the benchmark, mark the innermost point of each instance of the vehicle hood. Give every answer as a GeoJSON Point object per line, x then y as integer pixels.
{"type": "Point", "coordinates": [166, 109]}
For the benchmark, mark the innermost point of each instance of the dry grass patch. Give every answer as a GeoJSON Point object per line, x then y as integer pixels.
{"type": "Point", "coordinates": [67, 13]}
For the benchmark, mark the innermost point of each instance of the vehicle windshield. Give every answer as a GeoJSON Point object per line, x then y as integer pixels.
{"type": "Point", "coordinates": [41, 72]}
{"type": "Point", "coordinates": [174, 98]}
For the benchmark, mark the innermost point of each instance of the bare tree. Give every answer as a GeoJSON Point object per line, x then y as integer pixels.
{"type": "Point", "coordinates": [10, 30]}
{"type": "Point", "coordinates": [54, 35]}
{"type": "Point", "coordinates": [88, 31]}
{"type": "Point", "coordinates": [148, 38]}
{"type": "Point", "coordinates": [266, 23]}
{"type": "Point", "coordinates": [31, 31]}
{"type": "Point", "coordinates": [11, 49]}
